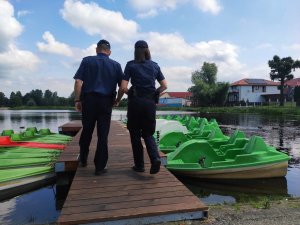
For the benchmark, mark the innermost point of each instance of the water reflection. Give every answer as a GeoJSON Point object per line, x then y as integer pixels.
{"type": "Point", "coordinates": [37, 207]}
{"type": "Point", "coordinates": [231, 191]}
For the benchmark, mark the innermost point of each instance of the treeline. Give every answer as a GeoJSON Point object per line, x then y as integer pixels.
{"type": "Point", "coordinates": [35, 98]}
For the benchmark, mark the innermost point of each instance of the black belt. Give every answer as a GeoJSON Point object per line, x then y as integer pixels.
{"type": "Point", "coordinates": [97, 94]}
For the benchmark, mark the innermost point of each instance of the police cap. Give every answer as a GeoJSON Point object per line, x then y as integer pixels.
{"type": "Point", "coordinates": [141, 44]}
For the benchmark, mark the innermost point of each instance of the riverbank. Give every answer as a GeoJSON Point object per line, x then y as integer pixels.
{"type": "Point", "coordinates": [288, 109]}
{"type": "Point", "coordinates": [269, 110]}
{"type": "Point", "coordinates": [280, 212]}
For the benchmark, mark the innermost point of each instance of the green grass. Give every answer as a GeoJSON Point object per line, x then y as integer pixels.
{"type": "Point", "coordinates": [274, 110]}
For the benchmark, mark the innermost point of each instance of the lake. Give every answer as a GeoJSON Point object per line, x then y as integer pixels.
{"type": "Point", "coordinates": [280, 132]}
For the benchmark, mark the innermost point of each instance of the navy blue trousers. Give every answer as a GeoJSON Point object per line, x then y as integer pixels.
{"type": "Point", "coordinates": [95, 109]}
{"type": "Point", "coordinates": [141, 123]}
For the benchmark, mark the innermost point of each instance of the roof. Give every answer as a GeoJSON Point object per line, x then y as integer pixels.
{"type": "Point", "coordinates": [258, 82]}
{"type": "Point", "coordinates": [179, 94]}
{"type": "Point", "coordinates": [293, 83]}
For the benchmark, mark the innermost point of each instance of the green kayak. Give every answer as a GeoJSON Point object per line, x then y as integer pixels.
{"type": "Point", "coordinates": [31, 134]}
{"type": "Point", "coordinates": [17, 173]}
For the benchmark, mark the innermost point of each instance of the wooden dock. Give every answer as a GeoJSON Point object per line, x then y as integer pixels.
{"type": "Point", "coordinates": [122, 196]}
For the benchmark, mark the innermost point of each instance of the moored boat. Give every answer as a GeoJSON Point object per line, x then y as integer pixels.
{"type": "Point", "coordinates": [243, 159]}
{"type": "Point", "coordinates": [27, 159]}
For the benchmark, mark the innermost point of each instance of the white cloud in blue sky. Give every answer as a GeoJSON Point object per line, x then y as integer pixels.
{"type": "Point", "coordinates": [95, 20]}
{"type": "Point", "coordinates": [52, 46]}
{"type": "Point", "coordinates": [12, 59]}
{"type": "Point", "coordinates": [42, 44]}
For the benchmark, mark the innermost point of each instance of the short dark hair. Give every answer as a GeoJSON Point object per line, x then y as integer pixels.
{"type": "Point", "coordinates": [103, 45]}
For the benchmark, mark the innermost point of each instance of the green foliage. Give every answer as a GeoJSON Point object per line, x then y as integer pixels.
{"type": "Point", "coordinates": [3, 99]}
{"type": "Point", "coordinates": [281, 69]}
{"type": "Point", "coordinates": [297, 95]}
{"type": "Point", "coordinates": [31, 102]}
{"type": "Point", "coordinates": [207, 75]}
{"type": "Point", "coordinates": [15, 99]}
{"type": "Point", "coordinates": [206, 92]}
{"type": "Point", "coordinates": [123, 102]}
{"type": "Point", "coordinates": [36, 98]}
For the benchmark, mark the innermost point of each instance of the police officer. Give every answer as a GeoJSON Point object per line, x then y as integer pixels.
{"type": "Point", "coordinates": [95, 87]}
{"type": "Point", "coordinates": [142, 98]}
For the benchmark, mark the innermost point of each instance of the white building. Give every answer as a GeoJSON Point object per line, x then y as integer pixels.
{"type": "Point", "coordinates": [175, 99]}
{"type": "Point", "coordinates": [253, 91]}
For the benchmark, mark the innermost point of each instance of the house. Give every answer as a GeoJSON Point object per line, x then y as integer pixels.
{"type": "Point", "coordinates": [290, 87]}
{"type": "Point", "coordinates": [253, 91]}
{"type": "Point", "coordinates": [175, 99]}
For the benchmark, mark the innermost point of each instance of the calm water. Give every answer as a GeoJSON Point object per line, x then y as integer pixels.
{"type": "Point", "coordinates": [39, 207]}
{"type": "Point", "coordinates": [280, 132]}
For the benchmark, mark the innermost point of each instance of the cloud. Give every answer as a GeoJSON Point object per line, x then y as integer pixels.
{"type": "Point", "coordinates": [211, 6]}
{"type": "Point", "coordinates": [173, 48]}
{"type": "Point", "coordinates": [23, 13]}
{"type": "Point", "coordinates": [264, 46]}
{"type": "Point", "coordinates": [178, 77]}
{"type": "Point", "coordinates": [150, 13]}
{"type": "Point", "coordinates": [10, 28]}
{"type": "Point", "coordinates": [152, 8]}
{"type": "Point", "coordinates": [294, 47]}
{"type": "Point", "coordinates": [15, 59]}
{"type": "Point", "coordinates": [53, 46]}
{"type": "Point", "coordinates": [12, 59]}
{"type": "Point", "coordinates": [95, 20]}
{"type": "Point", "coordinates": [26, 82]}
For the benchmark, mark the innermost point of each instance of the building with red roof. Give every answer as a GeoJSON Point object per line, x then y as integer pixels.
{"type": "Point", "coordinates": [175, 99]}
{"type": "Point", "coordinates": [184, 95]}
{"type": "Point", "coordinates": [253, 91]}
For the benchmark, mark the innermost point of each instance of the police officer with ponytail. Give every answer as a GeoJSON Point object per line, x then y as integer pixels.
{"type": "Point", "coordinates": [142, 72]}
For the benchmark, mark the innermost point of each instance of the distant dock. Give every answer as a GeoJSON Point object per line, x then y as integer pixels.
{"type": "Point", "coordinates": [122, 196]}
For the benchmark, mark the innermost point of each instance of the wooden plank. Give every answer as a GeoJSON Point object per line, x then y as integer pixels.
{"type": "Point", "coordinates": [122, 193]}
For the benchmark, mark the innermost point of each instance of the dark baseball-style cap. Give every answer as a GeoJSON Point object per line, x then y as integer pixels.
{"type": "Point", "coordinates": [103, 42]}
{"type": "Point", "coordinates": [141, 44]}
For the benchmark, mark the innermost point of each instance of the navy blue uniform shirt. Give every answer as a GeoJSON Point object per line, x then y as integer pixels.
{"type": "Point", "coordinates": [143, 75]}
{"type": "Point", "coordinates": [99, 74]}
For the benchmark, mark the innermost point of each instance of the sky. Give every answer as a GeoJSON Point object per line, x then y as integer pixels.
{"type": "Point", "coordinates": [43, 42]}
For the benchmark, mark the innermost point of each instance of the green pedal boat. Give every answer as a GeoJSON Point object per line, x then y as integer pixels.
{"type": "Point", "coordinates": [240, 158]}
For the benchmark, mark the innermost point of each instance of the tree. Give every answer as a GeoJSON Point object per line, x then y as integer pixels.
{"type": "Point", "coordinates": [31, 102]}
{"type": "Point", "coordinates": [208, 74]}
{"type": "Point", "coordinates": [206, 91]}
{"type": "Point", "coordinates": [71, 98]}
{"type": "Point", "coordinates": [281, 70]}
{"type": "Point", "coordinates": [15, 100]}
{"type": "Point", "coordinates": [3, 99]}
{"type": "Point", "coordinates": [297, 95]}
{"type": "Point", "coordinates": [19, 96]}
{"type": "Point", "coordinates": [37, 96]}
{"type": "Point", "coordinates": [48, 98]}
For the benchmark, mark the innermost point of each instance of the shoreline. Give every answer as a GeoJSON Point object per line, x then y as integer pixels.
{"type": "Point", "coordinates": [278, 212]}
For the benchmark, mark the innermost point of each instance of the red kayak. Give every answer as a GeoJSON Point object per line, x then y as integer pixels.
{"type": "Point", "coordinates": [5, 141]}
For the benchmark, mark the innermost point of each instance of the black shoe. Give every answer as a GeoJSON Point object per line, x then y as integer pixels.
{"type": "Point", "coordinates": [100, 172]}
{"type": "Point", "coordinates": [83, 164]}
{"type": "Point", "coordinates": [155, 166]}
{"type": "Point", "coordinates": [137, 169]}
